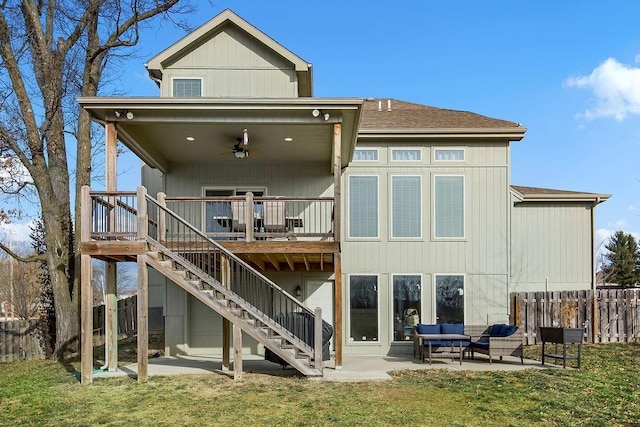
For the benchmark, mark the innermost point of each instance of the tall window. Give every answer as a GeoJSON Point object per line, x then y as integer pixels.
{"type": "Point", "coordinates": [187, 88]}
{"type": "Point", "coordinates": [449, 298]}
{"type": "Point", "coordinates": [406, 203]}
{"type": "Point", "coordinates": [363, 206]}
{"type": "Point", "coordinates": [407, 301]}
{"type": "Point", "coordinates": [363, 308]}
{"type": "Point", "coordinates": [449, 206]}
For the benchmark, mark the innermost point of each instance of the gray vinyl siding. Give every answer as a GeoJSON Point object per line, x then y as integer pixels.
{"type": "Point", "coordinates": [299, 180]}
{"type": "Point", "coordinates": [481, 256]}
{"type": "Point", "coordinates": [233, 64]}
{"type": "Point", "coordinates": [551, 246]}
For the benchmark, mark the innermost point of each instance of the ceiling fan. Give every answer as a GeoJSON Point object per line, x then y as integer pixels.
{"type": "Point", "coordinates": [240, 152]}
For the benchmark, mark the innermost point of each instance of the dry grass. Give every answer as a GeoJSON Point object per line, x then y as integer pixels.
{"type": "Point", "coordinates": [606, 391]}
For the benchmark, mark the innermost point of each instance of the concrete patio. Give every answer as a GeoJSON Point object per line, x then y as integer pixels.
{"type": "Point", "coordinates": [355, 368]}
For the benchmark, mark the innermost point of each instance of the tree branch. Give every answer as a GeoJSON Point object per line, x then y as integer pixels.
{"type": "Point", "coordinates": [32, 258]}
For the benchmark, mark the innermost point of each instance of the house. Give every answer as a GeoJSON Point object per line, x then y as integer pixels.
{"type": "Point", "coordinates": [261, 202]}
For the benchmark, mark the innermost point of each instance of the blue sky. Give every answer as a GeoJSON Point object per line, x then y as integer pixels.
{"type": "Point", "coordinates": [569, 71]}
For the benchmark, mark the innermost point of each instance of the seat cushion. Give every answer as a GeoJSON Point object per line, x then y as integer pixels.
{"type": "Point", "coordinates": [452, 328]}
{"type": "Point", "coordinates": [479, 344]}
{"type": "Point", "coordinates": [507, 330]}
{"type": "Point", "coordinates": [496, 330]}
{"type": "Point", "coordinates": [427, 329]}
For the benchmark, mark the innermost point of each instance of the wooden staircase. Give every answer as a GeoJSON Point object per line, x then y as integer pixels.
{"type": "Point", "coordinates": [228, 304]}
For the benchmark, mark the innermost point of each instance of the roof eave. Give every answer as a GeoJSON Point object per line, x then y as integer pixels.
{"type": "Point", "coordinates": [513, 134]}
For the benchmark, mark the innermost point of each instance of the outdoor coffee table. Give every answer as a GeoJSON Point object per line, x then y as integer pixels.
{"type": "Point", "coordinates": [443, 337]}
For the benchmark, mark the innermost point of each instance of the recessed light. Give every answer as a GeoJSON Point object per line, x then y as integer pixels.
{"type": "Point", "coordinates": [288, 139]}
{"type": "Point", "coordinates": [190, 139]}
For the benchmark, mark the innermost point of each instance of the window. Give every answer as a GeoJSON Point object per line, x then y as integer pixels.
{"type": "Point", "coordinates": [406, 206]}
{"type": "Point", "coordinates": [414, 155]}
{"type": "Point", "coordinates": [362, 155]}
{"type": "Point", "coordinates": [363, 206]}
{"type": "Point", "coordinates": [407, 301]}
{"type": "Point", "coordinates": [187, 88]}
{"type": "Point", "coordinates": [363, 308]}
{"type": "Point", "coordinates": [452, 155]}
{"type": "Point", "coordinates": [449, 206]}
{"type": "Point", "coordinates": [449, 298]}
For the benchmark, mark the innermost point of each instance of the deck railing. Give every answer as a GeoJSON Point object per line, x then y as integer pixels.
{"type": "Point", "coordinates": [114, 216]}
{"type": "Point", "coordinates": [258, 218]}
{"type": "Point", "coordinates": [271, 301]}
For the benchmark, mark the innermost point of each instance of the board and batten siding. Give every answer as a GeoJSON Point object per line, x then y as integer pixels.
{"type": "Point", "coordinates": [551, 246]}
{"type": "Point", "coordinates": [481, 256]}
{"type": "Point", "coordinates": [233, 64]}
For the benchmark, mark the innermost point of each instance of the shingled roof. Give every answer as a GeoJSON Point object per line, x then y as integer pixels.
{"type": "Point", "coordinates": [407, 115]}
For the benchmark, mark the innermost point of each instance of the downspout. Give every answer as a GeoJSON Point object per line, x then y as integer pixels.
{"type": "Point", "coordinates": [509, 234]}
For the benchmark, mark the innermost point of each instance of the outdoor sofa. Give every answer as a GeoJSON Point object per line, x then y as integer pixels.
{"type": "Point", "coordinates": [493, 340]}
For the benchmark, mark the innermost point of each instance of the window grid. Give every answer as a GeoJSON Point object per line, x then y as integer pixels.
{"type": "Point", "coordinates": [187, 88]}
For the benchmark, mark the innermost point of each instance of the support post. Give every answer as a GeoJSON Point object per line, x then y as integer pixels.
{"type": "Point", "coordinates": [111, 309]}
{"type": "Point", "coordinates": [143, 291]}
{"type": "Point", "coordinates": [337, 258]}
{"type": "Point", "coordinates": [226, 339]}
{"type": "Point", "coordinates": [237, 352]}
{"type": "Point", "coordinates": [317, 338]}
{"type": "Point", "coordinates": [86, 321]}
{"type": "Point", "coordinates": [86, 292]}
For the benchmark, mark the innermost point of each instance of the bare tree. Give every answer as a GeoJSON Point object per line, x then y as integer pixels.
{"type": "Point", "coordinates": [20, 284]}
{"type": "Point", "coordinates": [50, 52]}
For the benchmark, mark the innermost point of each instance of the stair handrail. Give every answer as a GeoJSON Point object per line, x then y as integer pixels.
{"type": "Point", "coordinates": [228, 253]}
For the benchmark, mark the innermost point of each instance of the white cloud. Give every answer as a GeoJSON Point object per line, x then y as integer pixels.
{"type": "Point", "coordinates": [616, 88]}
{"type": "Point", "coordinates": [18, 231]}
{"type": "Point", "coordinates": [12, 174]}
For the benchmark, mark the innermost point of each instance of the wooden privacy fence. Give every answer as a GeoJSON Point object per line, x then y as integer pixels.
{"type": "Point", "coordinates": [127, 308]}
{"type": "Point", "coordinates": [21, 340]}
{"type": "Point", "coordinates": [609, 315]}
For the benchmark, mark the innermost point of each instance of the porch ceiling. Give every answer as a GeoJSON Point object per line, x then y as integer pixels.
{"type": "Point", "coordinates": [159, 128]}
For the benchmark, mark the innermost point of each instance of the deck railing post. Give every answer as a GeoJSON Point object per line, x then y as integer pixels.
{"type": "Point", "coordinates": [162, 219]}
{"type": "Point", "coordinates": [317, 338]}
{"type": "Point", "coordinates": [249, 216]}
{"type": "Point", "coordinates": [143, 290]}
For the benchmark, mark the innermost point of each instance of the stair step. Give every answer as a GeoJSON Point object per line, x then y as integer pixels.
{"type": "Point", "coordinates": [153, 254]}
{"type": "Point", "coordinates": [166, 263]}
{"type": "Point", "coordinates": [195, 284]}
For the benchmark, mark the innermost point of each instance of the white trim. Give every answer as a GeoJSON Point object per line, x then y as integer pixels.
{"type": "Point", "coordinates": [422, 313]}
{"type": "Point", "coordinates": [348, 305]}
{"type": "Point", "coordinates": [377, 151]}
{"type": "Point", "coordinates": [348, 203]}
{"type": "Point", "coordinates": [418, 149]}
{"type": "Point", "coordinates": [173, 78]}
{"type": "Point", "coordinates": [436, 149]}
{"type": "Point", "coordinates": [435, 296]}
{"type": "Point", "coordinates": [464, 208]}
{"type": "Point", "coordinates": [390, 204]}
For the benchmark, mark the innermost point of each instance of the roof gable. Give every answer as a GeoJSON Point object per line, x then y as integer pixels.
{"type": "Point", "coordinates": [233, 24]}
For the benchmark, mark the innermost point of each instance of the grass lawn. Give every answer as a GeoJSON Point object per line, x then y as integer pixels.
{"type": "Point", "coordinates": [605, 392]}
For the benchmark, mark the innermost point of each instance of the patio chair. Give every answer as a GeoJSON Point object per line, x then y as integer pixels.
{"type": "Point", "coordinates": [274, 216]}
{"type": "Point", "coordinates": [239, 221]}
